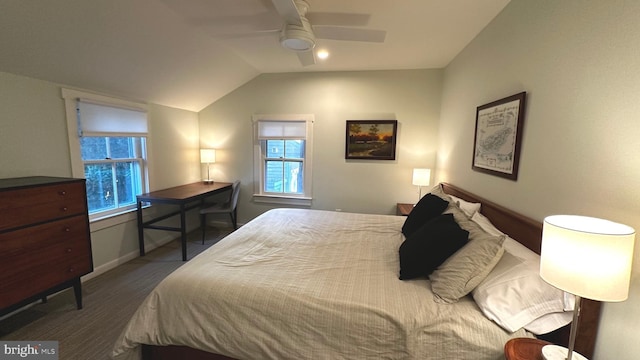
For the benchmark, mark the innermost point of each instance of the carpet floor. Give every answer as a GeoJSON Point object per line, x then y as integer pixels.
{"type": "Point", "coordinates": [109, 301]}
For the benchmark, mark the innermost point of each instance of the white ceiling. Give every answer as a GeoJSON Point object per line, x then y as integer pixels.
{"type": "Point", "coordinates": [189, 53]}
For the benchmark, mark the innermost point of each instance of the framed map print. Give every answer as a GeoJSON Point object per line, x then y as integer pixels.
{"type": "Point", "coordinates": [496, 147]}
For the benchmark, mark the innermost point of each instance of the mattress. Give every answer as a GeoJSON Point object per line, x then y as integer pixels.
{"type": "Point", "coordinates": [309, 284]}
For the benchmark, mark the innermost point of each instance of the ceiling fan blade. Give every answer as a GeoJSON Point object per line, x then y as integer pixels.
{"type": "Point", "coordinates": [306, 57]}
{"type": "Point", "coordinates": [338, 19]}
{"type": "Point", "coordinates": [243, 35]}
{"type": "Point", "coordinates": [238, 23]}
{"type": "Point", "coordinates": [288, 10]}
{"type": "Point", "coordinates": [349, 34]}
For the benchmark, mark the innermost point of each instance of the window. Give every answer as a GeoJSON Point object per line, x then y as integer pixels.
{"type": "Point", "coordinates": [284, 166]}
{"type": "Point", "coordinates": [283, 146]}
{"type": "Point", "coordinates": [113, 167]}
{"type": "Point", "coordinates": [107, 138]}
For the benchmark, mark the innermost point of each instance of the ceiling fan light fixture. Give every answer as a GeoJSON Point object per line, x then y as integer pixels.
{"type": "Point", "coordinates": [298, 38]}
{"type": "Point", "coordinates": [322, 54]}
{"type": "Point", "coordinates": [298, 42]}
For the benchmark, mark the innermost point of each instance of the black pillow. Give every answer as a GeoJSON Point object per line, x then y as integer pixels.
{"type": "Point", "coordinates": [430, 246]}
{"type": "Point", "coordinates": [426, 209]}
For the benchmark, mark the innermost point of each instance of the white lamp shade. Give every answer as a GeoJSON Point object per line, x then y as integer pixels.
{"type": "Point", "coordinates": [586, 256]}
{"type": "Point", "coordinates": [421, 177]}
{"type": "Point", "coordinates": [207, 156]}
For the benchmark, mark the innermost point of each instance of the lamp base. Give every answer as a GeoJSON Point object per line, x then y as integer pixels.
{"type": "Point", "coordinates": [555, 352]}
{"type": "Point", "coordinates": [207, 181]}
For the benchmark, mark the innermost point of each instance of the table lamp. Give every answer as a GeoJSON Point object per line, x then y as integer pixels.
{"type": "Point", "coordinates": [421, 177]}
{"type": "Point", "coordinates": [589, 258]}
{"type": "Point", "coordinates": [208, 156]}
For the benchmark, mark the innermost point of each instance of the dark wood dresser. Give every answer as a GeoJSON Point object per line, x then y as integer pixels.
{"type": "Point", "coordinates": [45, 243]}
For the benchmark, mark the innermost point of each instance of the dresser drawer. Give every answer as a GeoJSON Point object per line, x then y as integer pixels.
{"type": "Point", "coordinates": [21, 285]}
{"type": "Point", "coordinates": [34, 238]}
{"type": "Point", "coordinates": [41, 257]}
{"type": "Point", "coordinates": [28, 206]}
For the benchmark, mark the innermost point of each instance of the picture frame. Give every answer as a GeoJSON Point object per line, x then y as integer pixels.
{"type": "Point", "coordinates": [371, 139]}
{"type": "Point", "coordinates": [498, 136]}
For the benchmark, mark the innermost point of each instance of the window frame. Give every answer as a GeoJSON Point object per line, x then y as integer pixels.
{"type": "Point", "coordinates": [116, 216]}
{"type": "Point", "coordinates": [260, 157]}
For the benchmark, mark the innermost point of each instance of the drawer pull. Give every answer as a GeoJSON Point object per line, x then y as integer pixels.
{"type": "Point", "coordinates": [64, 208]}
{"type": "Point", "coordinates": [68, 250]}
{"type": "Point", "coordinates": [67, 229]}
{"type": "Point", "coordinates": [62, 193]}
{"type": "Point", "coordinates": [71, 270]}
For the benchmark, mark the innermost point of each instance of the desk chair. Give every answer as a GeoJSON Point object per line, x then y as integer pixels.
{"type": "Point", "coordinates": [221, 208]}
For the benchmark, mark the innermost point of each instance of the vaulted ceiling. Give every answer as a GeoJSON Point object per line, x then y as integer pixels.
{"type": "Point", "coordinates": [189, 53]}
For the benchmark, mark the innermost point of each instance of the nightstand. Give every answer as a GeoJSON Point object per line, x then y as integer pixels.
{"type": "Point", "coordinates": [403, 209]}
{"type": "Point", "coordinates": [524, 349]}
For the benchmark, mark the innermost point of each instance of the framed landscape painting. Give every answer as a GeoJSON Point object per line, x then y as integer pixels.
{"type": "Point", "coordinates": [371, 139]}
{"type": "Point", "coordinates": [496, 147]}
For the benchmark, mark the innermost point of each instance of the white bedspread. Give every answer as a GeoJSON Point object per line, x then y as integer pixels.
{"type": "Point", "coordinates": [309, 284]}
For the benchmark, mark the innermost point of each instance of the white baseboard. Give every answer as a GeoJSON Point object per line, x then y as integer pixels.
{"type": "Point", "coordinates": [134, 254]}
{"type": "Point", "coordinates": [125, 258]}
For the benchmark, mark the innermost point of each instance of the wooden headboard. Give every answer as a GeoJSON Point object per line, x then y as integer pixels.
{"type": "Point", "coordinates": [529, 232]}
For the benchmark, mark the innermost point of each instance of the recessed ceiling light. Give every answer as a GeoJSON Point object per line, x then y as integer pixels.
{"type": "Point", "coordinates": [322, 54]}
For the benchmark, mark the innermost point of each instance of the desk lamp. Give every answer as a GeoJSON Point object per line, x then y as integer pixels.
{"type": "Point", "coordinates": [421, 177]}
{"type": "Point", "coordinates": [208, 156]}
{"type": "Point", "coordinates": [589, 258]}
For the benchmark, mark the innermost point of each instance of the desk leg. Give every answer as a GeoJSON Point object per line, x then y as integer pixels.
{"type": "Point", "coordinates": [183, 232]}
{"type": "Point", "coordinates": [140, 229]}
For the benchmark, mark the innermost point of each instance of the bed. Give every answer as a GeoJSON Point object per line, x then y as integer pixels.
{"type": "Point", "coordinates": [311, 284]}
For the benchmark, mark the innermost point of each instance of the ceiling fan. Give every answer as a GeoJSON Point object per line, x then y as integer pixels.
{"type": "Point", "coordinates": [298, 34]}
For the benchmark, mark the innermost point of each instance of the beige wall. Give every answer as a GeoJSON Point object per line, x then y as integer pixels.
{"type": "Point", "coordinates": [33, 128]}
{"type": "Point", "coordinates": [33, 141]}
{"type": "Point", "coordinates": [412, 97]}
{"type": "Point", "coordinates": [578, 62]}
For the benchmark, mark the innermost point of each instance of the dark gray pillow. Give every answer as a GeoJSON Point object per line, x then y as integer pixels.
{"type": "Point", "coordinates": [430, 246]}
{"type": "Point", "coordinates": [426, 209]}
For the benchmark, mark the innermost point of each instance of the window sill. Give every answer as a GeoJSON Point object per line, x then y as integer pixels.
{"type": "Point", "coordinates": [282, 200]}
{"type": "Point", "coordinates": [107, 221]}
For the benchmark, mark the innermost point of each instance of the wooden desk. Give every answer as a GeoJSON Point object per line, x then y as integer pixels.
{"type": "Point", "coordinates": [186, 197]}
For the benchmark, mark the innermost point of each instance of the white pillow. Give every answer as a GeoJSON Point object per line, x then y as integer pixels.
{"type": "Point", "coordinates": [469, 208]}
{"type": "Point", "coordinates": [514, 295]}
{"type": "Point", "coordinates": [550, 322]}
{"type": "Point", "coordinates": [512, 246]}
{"type": "Point", "coordinates": [485, 224]}
{"type": "Point", "coordinates": [528, 268]}
{"type": "Point", "coordinates": [521, 251]}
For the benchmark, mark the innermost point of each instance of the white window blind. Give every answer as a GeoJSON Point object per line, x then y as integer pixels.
{"type": "Point", "coordinates": [108, 120]}
{"type": "Point", "coordinates": [271, 129]}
